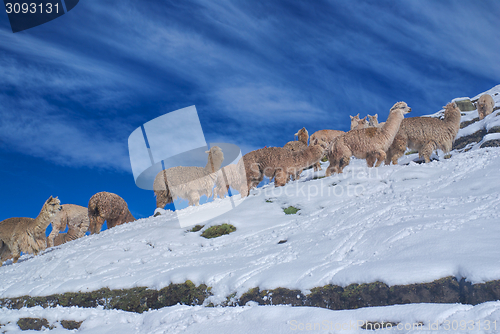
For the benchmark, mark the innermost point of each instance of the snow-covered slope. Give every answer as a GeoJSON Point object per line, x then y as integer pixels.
{"type": "Point", "coordinates": [395, 224]}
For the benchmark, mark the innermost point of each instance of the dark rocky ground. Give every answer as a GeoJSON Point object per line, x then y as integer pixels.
{"type": "Point", "coordinates": [445, 290]}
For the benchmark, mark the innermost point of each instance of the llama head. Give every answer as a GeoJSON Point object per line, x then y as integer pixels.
{"type": "Point", "coordinates": [354, 121]}
{"type": "Point", "coordinates": [362, 122]}
{"type": "Point", "coordinates": [302, 135]}
{"type": "Point", "coordinates": [400, 107]}
{"type": "Point", "coordinates": [53, 205]}
{"type": "Point", "coordinates": [452, 106]}
{"type": "Point", "coordinates": [373, 120]}
{"type": "Point", "coordinates": [451, 110]}
{"type": "Point", "coordinates": [215, 158]}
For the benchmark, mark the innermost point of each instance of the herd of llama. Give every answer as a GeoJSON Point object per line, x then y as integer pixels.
{"type": "Point", "coordinates": [368, 139]}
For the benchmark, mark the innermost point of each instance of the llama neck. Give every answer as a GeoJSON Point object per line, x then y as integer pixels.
{"type": "Point", "coordinates": [212, 166]}
{"type": "Point", "coordinates": [42, 220]}
{"type": "Point", "coordinates": [452, 117]}
{"type": "Point", "coordinates": [303, 139]}
{"type": "Point", "coordinates": [391, 126]}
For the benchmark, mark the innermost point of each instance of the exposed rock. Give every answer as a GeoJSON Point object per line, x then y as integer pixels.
{"type": "Point", "coordinates": [467, 123]}
{"type": "Point", "coordinates": [465, 105]}
{"type": "Point", "coordinates": [461, 142]}
{"type": "Point", "coordinates": [491, 143]}
{"type": "Point", "coordinates": [32, 324]}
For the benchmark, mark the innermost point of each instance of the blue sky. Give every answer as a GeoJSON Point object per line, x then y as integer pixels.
{"type": "Point", "coordinates": [72, 90]}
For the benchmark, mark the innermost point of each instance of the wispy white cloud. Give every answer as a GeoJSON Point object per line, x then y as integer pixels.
{"type": "Point", "coordinates": [34, 127]}
{"type": "Point", "coordinates": [260, 71]}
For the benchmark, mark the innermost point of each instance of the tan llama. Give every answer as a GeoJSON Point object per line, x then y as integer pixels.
{"type": "Point", "coordinates": [325, 138]}
{"type": "Point", "coordinates": [27, 235]}
{"type": "Point", "coordinates": [301, 143]}
{"type": "Point", "coordinates": [75, 217]}
{"type": "Point", "coordinates": [108, 207]}
{"type": "Point", "coordinates": [279, 163]}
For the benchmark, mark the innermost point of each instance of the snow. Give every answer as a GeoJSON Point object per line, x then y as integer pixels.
{"type": "Point", "coordinates": [435, 318]}
{"type": "Point", "coordinates": [400, 224]}
{"type": "Point", "coordinates": [460, 99]}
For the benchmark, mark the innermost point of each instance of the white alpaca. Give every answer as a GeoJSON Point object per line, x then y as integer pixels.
{"type": "Point", "coordinates": [188, 182]}
{"type": "Point", "coordinates": [485, 105]}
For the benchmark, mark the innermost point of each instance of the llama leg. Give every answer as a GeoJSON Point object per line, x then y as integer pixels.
{"type": "Point", "coordinates": [427, 151]}
{"type": "Point", "coordinates": [280, 178]}
{"type": "Point", "coordinates": [96, 225]}
{"type": "Point", "coordinates": [161, 196]}
{"type": "Point", "coordinates": [388, 157]}
{"type": "Point", "coordinates": [254, 182]}
{"type": "Point", "coordinates": [380, 156]}
{"type": "Point", "coordinates": [51, 237]}
{"type": "Point", "coordinates": [397, 149]}
{"type": "Point", "coordinates": [16, 253]}
{"type": "Point", "coordinates": [5, 252]}
{"type": "Point", "coordinates": [297, 175]}
{"type": "Point", "coordinates": [370, 159]}
{"type": "Point", "coordinates": [332, 167]}
{"type": "Point", "coordinates": [294, 172]}
{"type": "Point", "coordinates": [329, 170]}
{"type": "Point", "coordinates": [396, 155]}
{"type": "Point", "coordinates": [194, 198]}
{"type": "Point", "coordinates": [317, 166]}
{"type": "Point", "coordinates": [344, 161]}
{"type": "Point", "coordinates": [111, 223]}
{"type": "Point", "coordinates": [92, 224]}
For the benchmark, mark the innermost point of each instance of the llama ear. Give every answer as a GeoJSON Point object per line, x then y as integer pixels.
{"type": "Point", "coordinates": [351, 116]}
{"type": "Point", "coordinates": [207, 151]}
{"type": "Point", "coordinates": [364, 118]}
{"type": "Point", "coordinates": [376, 115]}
